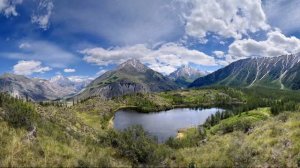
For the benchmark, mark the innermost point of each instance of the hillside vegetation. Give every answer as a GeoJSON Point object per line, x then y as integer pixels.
{"type": "Point", "coordinates": [35, 135]}
{"type": "Point", "coordinates": [270, 141]}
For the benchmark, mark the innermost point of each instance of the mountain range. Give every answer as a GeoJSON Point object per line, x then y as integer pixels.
{"type": "Point", "coordinates": [72, 83]}
{"type": "Point", "coordinates": [35, 89]}
{"type": "Point", "coordinates": [130, 77]}
{"type": "Point", "coordinates": [282, 72]}
{"type": "Point", "coordinates": [185, 75]}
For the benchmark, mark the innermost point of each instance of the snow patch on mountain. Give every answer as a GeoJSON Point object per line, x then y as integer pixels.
{"type": "Point", "coordinates": [187, 72]}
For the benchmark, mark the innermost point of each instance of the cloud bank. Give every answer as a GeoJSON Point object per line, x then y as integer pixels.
{"type": "Point", "coordinates": [29, 67]}
{"type": "Point", "coordinates": [276, 44]}
{"type": "Point", "coordinates": [233, 18]}
{"type": "Point", "coordinates": [165, 59]}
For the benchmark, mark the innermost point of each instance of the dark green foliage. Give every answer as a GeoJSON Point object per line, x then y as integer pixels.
{"type": "Point", "coordinates": [53, 103]}
{"type": "Point", "coordinates": [243, 125]}
{"type": "Point", "coordinates": [214, 119]}
{"type": "Point", "coordinates": [278, 100]}
{"type": "Point", "coordinates": [178, 99]}
{"type": "Point", "coordinates": [16, 112]}
{"type": "Point", "coordinates": [144, 103]}
{"type": "Point", "coordinates": [192, 165]}
{"type": "Point", "coordinates": [281, 106]}
{"type": "Point", "coordinates": [104, 120]}
{"type": "Point", "coordinates": [135, 144]}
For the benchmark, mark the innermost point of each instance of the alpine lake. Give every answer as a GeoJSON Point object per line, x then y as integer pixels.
{"type": "Point", "coordinates": [163, 124]}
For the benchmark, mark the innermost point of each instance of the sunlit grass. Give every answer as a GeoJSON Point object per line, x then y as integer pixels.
{"type": "Point", "coordinates": [271, 142]}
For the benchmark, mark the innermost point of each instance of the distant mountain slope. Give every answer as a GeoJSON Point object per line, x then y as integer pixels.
{"type": "Point", "coordinates": [70, 83]}
{"type": "Point", "coordinates": [61, 80]}
{"type": "Point", "coordinates": [275, 72]}
{"type": "Point", "coordinates": [185, 75]}
{"type": "Point", "coordinates": [32, 89]}
{"type": "Point", "coordinates": [130, 77]}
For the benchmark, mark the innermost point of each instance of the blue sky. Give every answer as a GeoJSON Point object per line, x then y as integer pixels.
{"type": "Point", "coordinates": [43, 38]}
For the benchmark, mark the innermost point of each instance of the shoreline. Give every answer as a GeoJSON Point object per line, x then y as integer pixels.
{"type": "Point", "coordinates": [181, 133]}
{"type": "Point", "coordinates": [165, 108]}
{"type": "Point", "coordinates": [111, 123]}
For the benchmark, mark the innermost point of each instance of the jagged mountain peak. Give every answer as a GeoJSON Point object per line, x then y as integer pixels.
{"type": "Point", "coordinates": [130, 77]}
{"type": "Point", "coordinates": [71, 83]}
{"type": "Point", "coordinates": [187, 71]}
{"type": "Point", "coordinates": [61, 80]}
{"type": "Point", "coordinates": [58, 77]}
{"type": "Point", "coordinates": [185, 74]}
{"type": "Point", "coordinates": [133, 63]}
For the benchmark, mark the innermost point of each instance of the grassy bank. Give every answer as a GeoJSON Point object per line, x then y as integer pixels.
{"type": "Point", "coordinates": [35, 136]}
{"type": "Point", "coordinates": [271, 141]}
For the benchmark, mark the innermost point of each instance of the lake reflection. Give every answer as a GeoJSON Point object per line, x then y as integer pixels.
{"type": "Point", "coordinates": [163, 124]}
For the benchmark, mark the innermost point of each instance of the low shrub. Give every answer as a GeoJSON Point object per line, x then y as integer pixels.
{"type": "Point", "coordinates": [135, 144]}
{"type": "Point", "coordinates": [16, 112]}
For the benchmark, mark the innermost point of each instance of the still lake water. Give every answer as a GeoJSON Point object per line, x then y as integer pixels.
{"type": "Point", "coordinates": [163, 124]}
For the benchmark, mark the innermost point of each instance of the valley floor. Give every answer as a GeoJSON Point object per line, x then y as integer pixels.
{"type": "Point", "coordinates": [81, 136]}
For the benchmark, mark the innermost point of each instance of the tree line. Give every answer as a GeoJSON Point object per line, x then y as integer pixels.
{"type": "Point", "coordinates": [278, 100]}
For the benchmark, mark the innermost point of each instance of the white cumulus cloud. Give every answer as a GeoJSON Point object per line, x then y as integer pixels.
{"type": "Point", "coordinates": [165, 59]}
{"type": "Point", "coordinates": [276, 44]}
{"type": "Point", "coordinates": [29, 67]}
{"type": "Point", "coordinates": [219, 54]}
{"type": "Point", "coordinates": [69, 70]}
{"type": "Point", "coordinates": [232, 18]}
